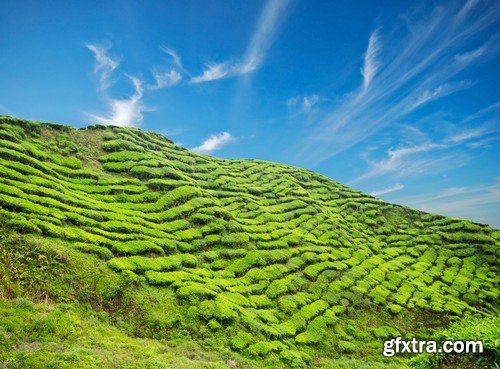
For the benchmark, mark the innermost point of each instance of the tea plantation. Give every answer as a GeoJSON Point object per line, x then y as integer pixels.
{"type": "Point", "coordinates": [120, 249]}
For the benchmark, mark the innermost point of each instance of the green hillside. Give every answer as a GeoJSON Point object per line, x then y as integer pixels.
{"type": "Point", "coordinates": [121, 249]}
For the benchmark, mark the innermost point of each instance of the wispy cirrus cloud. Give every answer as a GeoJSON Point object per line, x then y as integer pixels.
{"type": "Point", "coordinates": [479, 202]}
{"type": "Point", "coordinates": [469, 56]}
{"type": "Point", "coordinates": [417, 153]}
{"type": "Point", "coordinates": [128, 112]}
{"type": "Point", "coordinates": [214, 142]}
{"type": "Point", "coordinates": [120, 112]}
{"type": "Point", "coordinates": [371, 62]}
{"type": "Point", "coordinates": [303, 104]}
{"type": "Point", "coordinates": [402, 74]}
{"type": "Point", "coordinates": [261, 41]}
{"type": "Point", "coordinates": [471, 134]}
{"type": "Point", "coordinates": [213, 72]}
{"type": "Point", "coordinates": [435, 93]}
{"type": "Point", "coordinates": [104, 64]}
{"type": "Point", "coordinates": [176, 59]}
{"type": "Point", "coordinates": [409, 161]}
{"type": "Point", "coordinates": [5, 110]}
{"type": "Point", "coordinates": [264, 34]}
{"type": "Point", "coordinates": [386, 190]}
{"type": "Point", "coordinates": [168, 78]}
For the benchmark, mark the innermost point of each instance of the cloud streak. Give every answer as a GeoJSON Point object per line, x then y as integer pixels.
{"type": "Point", "coordinates": [261, 41]}
{"type": "Point", "coordinates": [5, 110]}
{"type": "Point", "coordinates": [125, 112]}
{"type": "Point", "coordinates": [128, 112]}
{"type": "Point", "coordinates": [213, 72]}
{"type": "Point", "coordinates": [165, 79]}
{"type": "Point", "coordinates": [408, 161]}
{"type": "Point", "coordinates": [371, 63]}
{"type": "Point", "coordinates": [303, 104]}
{"type": "Point", "coordinates": [386, 190]}
{"type": "Point", "coordinates": [214, 142]}
{"type": "Point", "coordinates": [479, 202]}
{"type": "Point", "coordinates": [176, 59]}
{"type": "Point", "coordinates": [264, 35]}
{"type": "Point", "coordinates": [406, 74]}
{"type": "Point", "coordinates": [416, 153]}
{"type": "Point", "coordinates": [104, 65]}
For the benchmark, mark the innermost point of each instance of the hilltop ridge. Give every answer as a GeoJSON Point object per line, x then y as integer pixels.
{"type": "Point", "coordinates": [272, 264]}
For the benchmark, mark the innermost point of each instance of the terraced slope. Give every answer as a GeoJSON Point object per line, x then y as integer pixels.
{"type": "Point", "coordinates": [290, 264]}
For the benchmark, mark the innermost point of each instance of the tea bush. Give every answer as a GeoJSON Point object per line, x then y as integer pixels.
{"type": "Point", "coordinates": [252, 252]}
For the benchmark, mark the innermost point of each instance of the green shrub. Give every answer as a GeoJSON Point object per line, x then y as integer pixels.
{"type": "Point", "coordinates": [145, 172]}
{"type": "Point", "coordinates": [262, 348]}
{"type": "Point", "coordinates": [235, 239]}
{"type": "Point", "coordinates": [121, 145]}
{"type": "Point", "coordinates": [165, 278]}
{"type": "Point", "coordinates": [23, 226]}
{"type": "Point", "coordinates": [278, 287]}
{"type": "Point", "coordinates": [241, 340]}
{"type": "Point", "coordinates": [485, 329]}
{"type": "Point", "coordinates": [267, 273]}
{"type": "Point", "coordinates": [224, 310]}
{"type": "Point", "coordinates": [123, 156]}
{"type": "Point", "coordinates": [137, 247]}
{"type": "Point", "coordinates": [100, 251]}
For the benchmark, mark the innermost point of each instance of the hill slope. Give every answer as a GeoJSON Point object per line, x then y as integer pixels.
{"type": "Point", "coordinates": [260, 262]}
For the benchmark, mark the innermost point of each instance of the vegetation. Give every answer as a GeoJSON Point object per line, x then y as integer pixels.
{"type": "Point", "coordinates": [116, 243]}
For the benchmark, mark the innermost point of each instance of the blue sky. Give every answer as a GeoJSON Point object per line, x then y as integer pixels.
{"type": "Point", "coordinates": [399, 99]}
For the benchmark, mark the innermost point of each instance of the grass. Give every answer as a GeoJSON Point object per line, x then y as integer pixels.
{"type": "Point", "coordinates": [47, 336]}
{"type": "Point", "coordinates": [119, 233]}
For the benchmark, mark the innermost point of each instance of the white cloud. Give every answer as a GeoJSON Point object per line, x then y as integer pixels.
{"type": "Point", "coordinates": [121, 112]}
{"type": "Point", "coordinates": [491, 108]}
{"type": "Point", "coordinates": [405, 161]}
{"type": "Point", "coordinates": [125, 112]}
{"type": "Point", "coordinates": [104, 65]}
{"type": "Point", "coordinates": [214, 142]}
{"type": "Point", "coordinates": [416, 153]}
{"type": "Point", "coordinates": [292, 101]}
{"type": "Point", "coordinates": [263, 35]}
{"type": "Point", "coordinates": [303, 104]}
{"type": "Point", "coordinates": [469, 56]}
{"type": "Point", "coordinates": [5, 110]}
{"type": "Point", "coordinates": [448, 192]}
{"type": "Point", "coordinates": [468, 135]}
{"type": "Point", "coordinates": [168, 77]}
{"type": "Point", "coordinates": [259, 45]}
{"type": "Point", "coordinates": [386, 190]}
{"type": "Point", "coordinates": [212, 73]}
{"type": "Point", "coordinates": [371, 63]}
{"type": "Point", "coordinates": [438, 92]}
{"type": "Point", "coordinates": [483, 143]}
{"type": "Point", "coordinates": [165, 79]}
{"type": "Point", "coordinates": [414, 68]}
{"type": "Point", "coordinates": [478, 202]}
{"type": "Point", "coordinates": [175, 57]}
{"type": "Point", "coordinates": [487, 197]}
{"type": "Point", "coordinates": [478, 129]}
{"type": "Point", "coordinates": [309, 102]}
{"type": "Point", "coordinates": [468, 6]}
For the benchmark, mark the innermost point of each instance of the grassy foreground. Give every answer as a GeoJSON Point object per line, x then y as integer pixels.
{"type": "Point", "coordinates": [120, 249]}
